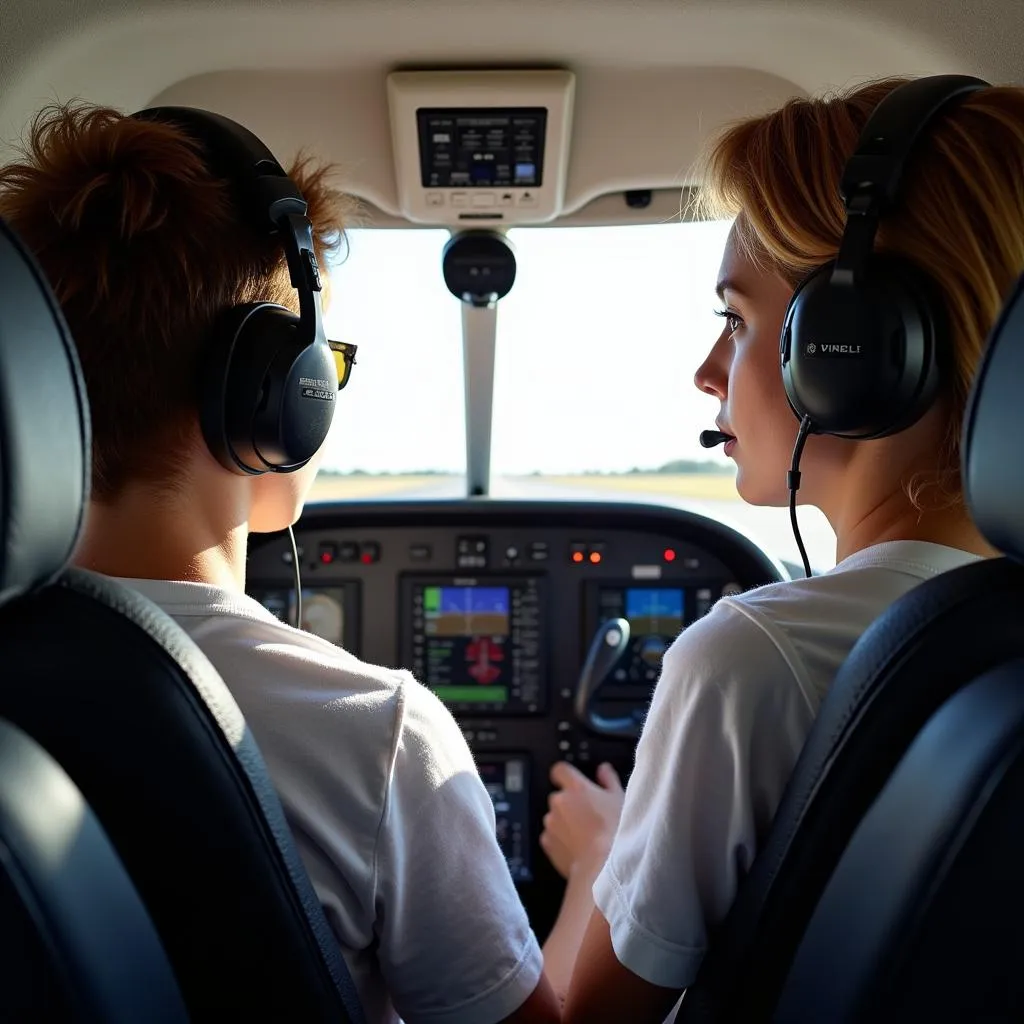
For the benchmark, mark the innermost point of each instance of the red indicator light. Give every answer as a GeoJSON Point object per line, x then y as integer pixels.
{"type": "Point", "coordinates": [326, 557]}
{"type": "Point", "coordinates": [577, 556]}
{"type": "Point", "coordinates": [367, 558]}
{"type": "Point", "coordinates": [595, 557]}
{"type": "Point", "coordinates": [670, 555]}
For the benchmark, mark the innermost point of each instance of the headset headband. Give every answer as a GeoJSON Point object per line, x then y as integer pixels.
{"type": "Point", "coordinates": [265, 193]}
{"type": "Point", "coordinates": [872, 177]}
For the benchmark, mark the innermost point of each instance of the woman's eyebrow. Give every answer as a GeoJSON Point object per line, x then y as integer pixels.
{"type": "Point", "coordinates": [730, 284]}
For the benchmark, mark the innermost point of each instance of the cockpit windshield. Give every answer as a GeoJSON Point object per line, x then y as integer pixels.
{"type": "Point", "coordinates": [597, 345]}
{"type": "Point", "coordinates": [399, 430]}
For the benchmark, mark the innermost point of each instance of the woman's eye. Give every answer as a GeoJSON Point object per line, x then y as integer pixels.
{"type": "Point", "coordinates": [733, 321]}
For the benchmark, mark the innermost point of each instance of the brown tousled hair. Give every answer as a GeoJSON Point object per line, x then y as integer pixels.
{"type": "Point", "coordinates": [145, 248]}
{"type": "Point", "coordinates": [960, 216]}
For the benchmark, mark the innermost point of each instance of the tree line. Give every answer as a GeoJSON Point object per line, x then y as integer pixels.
{"type": "Point", "coordinates": [675, 467]}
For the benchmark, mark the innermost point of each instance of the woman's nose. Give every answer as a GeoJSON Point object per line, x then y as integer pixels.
{"type": "Point", "coordinates": [710, 377]}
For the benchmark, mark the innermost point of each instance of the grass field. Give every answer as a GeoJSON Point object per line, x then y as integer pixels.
{"type": "Point", "coordinates": [708, 487]}
{"type": "Point", "coordinates": [356, 488]}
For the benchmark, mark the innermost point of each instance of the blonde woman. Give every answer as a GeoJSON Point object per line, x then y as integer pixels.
{"type": "Point", "coordinates": [740, 689]}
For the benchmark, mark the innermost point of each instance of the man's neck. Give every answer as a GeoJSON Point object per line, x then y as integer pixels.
{"type": "Point", "coordinates": [150, 534]}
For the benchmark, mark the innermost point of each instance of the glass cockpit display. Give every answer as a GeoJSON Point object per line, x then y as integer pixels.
{"type": "Point", "coordinates": [476, 643]}
{"type": "Point", "coordinates": [507, 784]}
{"type": "Point", "coordinates": [327, 612]}
{"type": "Point", "coordinates": [656, 616]}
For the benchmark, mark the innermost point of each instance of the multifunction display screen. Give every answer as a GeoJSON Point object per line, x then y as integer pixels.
{"type": "Point", "coordinates": [508, 785]}
{"type": "Point", "coordinates": [656, 616]}
{"type": "Point", "coordinates": [476, 643]}
{"type": "Point", "coordinates": [482, 147]}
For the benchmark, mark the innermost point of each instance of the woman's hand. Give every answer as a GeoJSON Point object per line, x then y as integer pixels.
{"type": "Point", "coordinates": [582, 818]}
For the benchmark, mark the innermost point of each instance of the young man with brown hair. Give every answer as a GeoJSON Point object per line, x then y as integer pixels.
{"type": "Point", "coordinates": [145, 249]}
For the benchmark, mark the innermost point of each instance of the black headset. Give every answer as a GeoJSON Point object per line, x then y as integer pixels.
{"type": "Point", "coordinates": [865, 339]}
{"type": "Point", "coordinates": [269, 384]}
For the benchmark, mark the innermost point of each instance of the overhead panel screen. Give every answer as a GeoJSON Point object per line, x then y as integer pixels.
{"type": "Point", "coordinates": [482, 147]}
{"type": "Point", "coordinates": [477, 645]}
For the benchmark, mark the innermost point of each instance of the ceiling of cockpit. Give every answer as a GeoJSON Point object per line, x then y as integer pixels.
{"type": "Point", "coordinates": [654, 77]}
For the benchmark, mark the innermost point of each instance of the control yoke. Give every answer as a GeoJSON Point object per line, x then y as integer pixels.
{"type": "Point", "coordinates": [606, 650]}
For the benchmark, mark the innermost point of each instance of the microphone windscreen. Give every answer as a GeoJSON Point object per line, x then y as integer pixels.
{"type": "Point", "coordinates": [709, 438]}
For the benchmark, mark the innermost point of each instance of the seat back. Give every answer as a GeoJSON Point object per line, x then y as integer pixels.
{"type": "Point", "coordinates": [76, 943]}
{"type": "Point", "coordinates": [928, 645]}
{"type": "Point", "coordinates": [44, 428]}
{"type": "Point", "coordinates": [150, 733]}
{"type": "Point", "coordinates": [154, 739]}
{"type": "Point", "coordinates": [921, 918]}
{"type": "Point", "coordinates": [138, 718]}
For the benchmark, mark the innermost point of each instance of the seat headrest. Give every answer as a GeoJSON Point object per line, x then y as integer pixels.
{"type": "Point", "coordinates": [45, 451]}
{"type": "Point", "coordinates": [993, 464]}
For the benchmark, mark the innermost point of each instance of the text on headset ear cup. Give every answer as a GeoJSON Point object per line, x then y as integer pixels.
{"type": "Point", "coordinates": [295, 414]}
{"type": "Point", "coordinates": [862, 359]}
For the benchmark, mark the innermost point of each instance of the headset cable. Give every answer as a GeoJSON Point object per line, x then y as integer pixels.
{"type": "Point", "coordinates": [298, 583]}
{"type": "Point", "coordinates": [793, 483]}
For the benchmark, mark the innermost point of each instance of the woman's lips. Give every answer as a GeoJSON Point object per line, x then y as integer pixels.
{"type": "Point", "coordinates": [731, 443]}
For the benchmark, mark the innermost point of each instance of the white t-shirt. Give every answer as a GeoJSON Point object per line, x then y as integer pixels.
{"type": "Point", "coordinates": [738, 693]}
{"type": "Point", "coordinates": [389, 813]}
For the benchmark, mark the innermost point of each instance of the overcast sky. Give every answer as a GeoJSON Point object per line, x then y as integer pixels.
{"type": "Point", "coordinates": [597, 346]}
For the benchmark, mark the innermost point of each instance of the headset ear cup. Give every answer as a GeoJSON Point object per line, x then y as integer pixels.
{"type": "Point", "coordinates": [214, 388]}
{"type": "Point", "coordinates": [790, 342]}
{"type": "Point", "coordinates": [860, 358]}
{"type": "Point", "coordinates": [923, 349]}
{"type": "Point", "coordinates": [302, 386]}
{"type": "Point", "coordinates": [267, 400]}
{"type": "Point", "coordinates": [245, 342]}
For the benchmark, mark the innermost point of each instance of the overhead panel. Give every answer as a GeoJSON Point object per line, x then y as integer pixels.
{"type": "Point", "coordinates": [478, 148]}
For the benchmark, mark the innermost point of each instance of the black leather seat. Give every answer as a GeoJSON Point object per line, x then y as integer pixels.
{"type": "Point", "coordinates": [931, 644]}
{"type": "Point", "coordinates": [921, 919]}
{"type": "Point", "coordinates": [135, 714]}
{"type": "Point", "coordinates": [76, 943]}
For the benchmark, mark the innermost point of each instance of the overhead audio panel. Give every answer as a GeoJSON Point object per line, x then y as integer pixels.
{"type": "Point", "coordinates": [478, 148]}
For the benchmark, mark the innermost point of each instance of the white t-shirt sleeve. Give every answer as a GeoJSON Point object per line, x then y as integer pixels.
{"type": "Point", "coordinates": [726, 724]}
{"type": "Point", "coordinates": [455, 945]}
